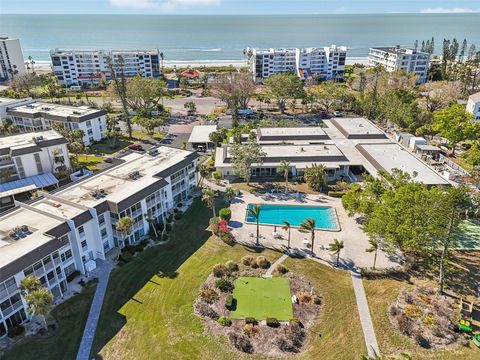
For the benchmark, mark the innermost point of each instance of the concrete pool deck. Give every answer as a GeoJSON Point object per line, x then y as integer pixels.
{"type": "Point", "coordinates": [355, 240]}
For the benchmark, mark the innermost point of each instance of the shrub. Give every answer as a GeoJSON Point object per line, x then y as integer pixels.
{"type": "Point", "coordinates": [405, 324]}
{"type": "Point", "coordinates": [296, 333]}
{"type": "Point", "coordinates": [73, 275]}
{"type": "Point", "coordinates": [224, 321]}
{"type": "Point", "coordinates": [248, 260]}
{"type": "Point", "coordinates": [219, 270]}
{"type": "Point", "coordinates": [272, 322]}
{"type": "Point", "coordinates": [225, 214]}
{"type": "Point", "coordinates": [336, 194]}
{"type": "Point", "coordinates": [170, 218]}
{"type": "Point", "coordinates": [250, 329]}
{"type": "Point", "coordinates": [304, 297]}
{"type": "Point", "coordinates": [144, 242]}
{"type": "Point", "coordinates": [178, 215]}
{"type": "Point", "coordinates": [175, 210]}
{"type": "Point", "coordinates": [240, 342]}
{"type": "Point", "coordinates": [412, 310]}
{"type": "Point", "coordinates": [205, 310]}
{"type": "Point", "coordinates": [229, 302]}
{"type": "Point", "coordinates": [429, 320]}
{"type": "Point", "coordinates": [285, 344]}
{"type": "Point", "coordinates": [281, 269]}
{"type": "Point", "coordinates": [15, 331]}
{"type": "Point", "coordinates": [127, 257]}
{"type": "Point", "coordinates": [232, 266]}
{"type": "Point", "coordinates": [250, 320]}
{"type": "Point", "coordinates": [139, 248]}
{"type": "Point", "coordinates": [224, 285]}
{"type": "Point", "coordinates": [227, 238]}
{"type": "Point", "coordinates": [179, 204]}
{"type": "Point", "coordinates": [168, 228]}
{"type": "Point", "coordinates": [317, 300]}
{"type": "Point", "coordinates": [263, 262]}
{"type": "Point", "coordinates": [422, 340]}
{"type": "Point", "coordinates": [208, 295]}
{"type": "Point", "coordinates": [129, 249]}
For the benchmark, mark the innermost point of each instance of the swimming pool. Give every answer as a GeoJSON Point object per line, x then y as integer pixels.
{"type": "Point", "coordinates": [271, 214]}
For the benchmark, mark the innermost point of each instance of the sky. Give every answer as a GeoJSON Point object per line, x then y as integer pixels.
{"type": "Point", "coordinates": [220, 7]}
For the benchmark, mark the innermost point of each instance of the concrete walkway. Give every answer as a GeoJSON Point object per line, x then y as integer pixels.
{"type": "Point", "coordinates": [270, 270]}
{"type": "Point", "coordinates": [103, 273]}
{"type": "Point", "coordinates": [365, 318]}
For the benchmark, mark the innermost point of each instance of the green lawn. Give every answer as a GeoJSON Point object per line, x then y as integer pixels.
{"type": "Point", "coordinates": [104, 147]}
{"type": "Point", "coordinates": [63, 343]}
{"type": "Point", "coordinates": [262, 298]}
{"type": "Point", "coordinates": [89, 162]}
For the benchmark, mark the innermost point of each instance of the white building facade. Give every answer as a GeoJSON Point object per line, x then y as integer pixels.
{"type": "Point", "coordinates": [473, 105]}
{"type": "Point", "coordinates": [66, 231]}
{"type": "Point", "coordinates": [395, 58]}
{"type": "Point", "coordinates": [11, 58]}
{"type": "Point", "coordinates": [40, 116]}
{"type": "Point", "coordinates": [88, 68]}
{"type": "Point", "coordinates": [325, 63]}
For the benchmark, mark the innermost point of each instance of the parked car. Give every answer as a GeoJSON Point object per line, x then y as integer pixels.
{"type": "Point", "coordinates": [136, 147]}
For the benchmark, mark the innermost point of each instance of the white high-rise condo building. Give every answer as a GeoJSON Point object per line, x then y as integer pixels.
{"type": "Point", "coordinates": [39, 116]}
{"type": "Point", "coordinates": [88, 67]}
{"type": "Point", "coordinates": [63, 233]}
{"type": "Point", "coordinates": [324, 63]}
{"type": "Point", "coordinates": [396, 58]}
{"type": "Point", "coordinates": [473, 105]}
{"type": "Point", "coordinates": [11, 58]}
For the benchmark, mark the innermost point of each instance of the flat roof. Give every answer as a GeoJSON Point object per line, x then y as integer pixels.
{"type": "Point", "coordinates": [56, 111]}
{"type": "Point", "coordinates": [60, 52]}
{"type": "Point", "coordinates": [29, 139]}
{"type": "Point", "coordinates": [201, 133]}
{"type": "Point", "coordinates": [389, 156]}
{"type": "Point", "coordinates": [358, 128]}
{"type": "Point", "coordinates": [475, 97]}
{"type": "Point", "coordinates": [291, 133]}
{"type": "Point", "coordinates": [4, 101]}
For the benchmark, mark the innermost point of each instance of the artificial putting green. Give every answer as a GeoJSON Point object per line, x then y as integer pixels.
{"type": "Point", "coordinates": [261, 298]}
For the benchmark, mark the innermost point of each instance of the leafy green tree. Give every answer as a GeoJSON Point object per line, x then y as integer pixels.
{"type": "Point", "coordinates": [283, 87]}
{"type": "Point", "coordinates": [209, 196]}
{"type": "Point", "coordinates": [125, 226]}
{"type": "Point", "coordinates": [191, 107]}
{"type": "Point", "coordinates": [316, 177]}
{"type": "Point", "coordinates": [287, 227]}
{"type": "Point", "coordinates": [329, 96]}
{"type": "Point", "coordinates": [472, 158]}
{"type": "Point", "coordinates": [255, 212]}
{"type": "Point", "coordinates": [336, 247]}
{"type": "Point", "coordinates": [244, 156]}
{"type": "Point", "coordinates": [112, 133]}
{"type": "Point", "coordinates": [456, 125]}
{"type": "Point", "coordinates": [374, 244]}
{"type": "Point", "coordinates": [308, 226]}
{"type": "Point", "coordinates": [148, 123]}
{"type": "Point", "coordinates": [284, 168]}
{"type": "Point", "coordinates": [145, 94]}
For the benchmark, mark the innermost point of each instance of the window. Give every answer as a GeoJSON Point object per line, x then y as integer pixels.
{"type": "Point", "coordinates": [104, 233]}
{"type": "Point", "coordinates": [66, 255]}
{"type": "Point", "coordinates": [81, 231]}
{"type": "Point", "coordinates": [84, 244]}
{"type": "Point", "coordinates": [69, 269]}
{"type": "Point", "coordinates": [21, 170]}
{"type": "Point", "coordinates": [101, 219]}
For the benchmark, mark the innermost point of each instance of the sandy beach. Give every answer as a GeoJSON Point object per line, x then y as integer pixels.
{"type": "Point", "coordinates": [43, 67]}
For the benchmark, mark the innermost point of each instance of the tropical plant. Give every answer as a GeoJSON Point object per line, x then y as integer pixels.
{"type": "Point", "coordinates": [125, 226]}
{"type": "Point", "coordinates": [152, 222]}
{"type": "Point", "coordinates": [373, 249]}
{"type": "Point", "coordinates": [287, 227]}
{"type": "Point", "coordinates": [191, 107]}
{"type": "Point", "coordinates": [38, 298]}
{"type": "Point", "coordinates": [308, 226]}
{"type": "Point", "coordinates": [29, 284]}
{"type": "Point", "coordinates": [230, 194]}
{"type": "Point", "coordinates": [283, 87]}
{"type": "Point", "coordinates": [335, 248]}
{"type": "Point", "coordinates": [255, 212]}
{"type": "Point", "coordinates": [209, 196]}
{"type": "Point", "coordinates": [316, 177]}
{"type": "Point", "coordinates": [244, 156]}
{"type": "Point", "coordinates": [284, 168]}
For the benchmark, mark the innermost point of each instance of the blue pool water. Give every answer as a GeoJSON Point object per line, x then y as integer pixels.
{"type": "Point", "coordinates": [325, 217]}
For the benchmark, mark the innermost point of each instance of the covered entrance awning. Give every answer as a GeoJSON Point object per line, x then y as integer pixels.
{"type": "Point", "coordinates": [27, 184]}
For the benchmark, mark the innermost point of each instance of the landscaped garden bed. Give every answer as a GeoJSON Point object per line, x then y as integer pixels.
{"type": "Point", "coordinates": [263, 315]}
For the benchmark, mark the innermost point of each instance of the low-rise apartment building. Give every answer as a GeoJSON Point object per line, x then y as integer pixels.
{"type": "Point", "coordinates": [396, 58]}
{"type": "Point", "coordinates": [11, 58]}
{"type": "Point", "coordinates": [347, 147]}
{"type": "Point", "coordinates": [324, 63]}
{"type": "Point", "coordinates": [473, 105]}
{"type": "Point", "coordinates": [88, 67]}
{"type": "Point", "coordinates": [67, 230]}
{"type": "Point", "coordinates": [6, 103]}
{"type": "Point", "coordinates": [40, 116]}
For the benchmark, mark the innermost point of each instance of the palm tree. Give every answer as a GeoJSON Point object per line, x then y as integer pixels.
{"type": "Point", "coordinates": [29, 284]}
{"type": "Point", "coordinates": [285, 168]}
{"type": "Point", "coordinates": [39, 303]}
{"type": "Point", "coordinates": [286, 226]}
{"type": "Point", "coordinates": [209, 197]}
{"type": "Point", "coordinates": [308, 226]}
{"type": "Point", "coordinates": [124, 226]}
{"type": "Point", "coordinates": [202, 169]}
{"type": "Point", "coordinates": [32, 62]}
{"type": "Point", "coordinates": [230, 194]}
{"type": "Point", "coordinates": [373, 248]}
{"type": "Point", "coordinates": [151, 221]}
{"type": "Point", "coordinates": [255, 212]}
{"type": "Point", "coordinates": [336, 247]}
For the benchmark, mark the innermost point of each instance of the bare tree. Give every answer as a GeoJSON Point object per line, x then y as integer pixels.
{"type": "Point", "coordinates": [235, 89]}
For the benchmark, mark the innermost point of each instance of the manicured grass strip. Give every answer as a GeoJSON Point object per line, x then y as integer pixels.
{"type": "Point", "coordinates": [63, 343]}
{"type": "Point", "coordinates": [262, 298]}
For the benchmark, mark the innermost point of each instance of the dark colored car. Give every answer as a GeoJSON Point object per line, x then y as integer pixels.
{"type": "Point", "coordinates": [136, 147]}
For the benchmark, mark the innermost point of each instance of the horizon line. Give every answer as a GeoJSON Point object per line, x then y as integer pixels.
{"type": "Point", "coordinates": [259, 14]}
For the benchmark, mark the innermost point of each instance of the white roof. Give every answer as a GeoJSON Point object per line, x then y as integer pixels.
{"type": "Point", "coordinates": [475, 97]}
{"type": "Point", "coordinates": [201, 133]}
{"type": "Point", "coordinates": [27, 139]}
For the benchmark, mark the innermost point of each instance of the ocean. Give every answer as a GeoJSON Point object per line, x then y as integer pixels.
{"type": "Point", "coordinates": [222, 38]}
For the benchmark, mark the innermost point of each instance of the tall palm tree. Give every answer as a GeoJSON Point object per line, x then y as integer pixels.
{"type": "Point", "coordinates": [285, 168]}
{"type": "Point", "coordinates": [39, 303]}
{"type": "Point", "coordinates": [373, 248]}
{"type": "Point", "coordinates": [209, 196]}
{"type": "Point", "coordinates": [286, 226]}
{"type": "Point", "coordinates": [255, 212]}
{"type": "Point", "coordinates": [32, 62]}
{"type": "Point", "coordinates": [308, 226]}
{"type": "Point", "coordinates": [203, 171]}
{"type": "Point", "coordinates": [336, 247]}
{"type": "Point", "coordinates": [125, 226]}
{"type": "Point", "coordinates": [151, 221]}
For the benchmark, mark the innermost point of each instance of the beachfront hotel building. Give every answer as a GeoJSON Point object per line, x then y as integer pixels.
{"type": "Point", "coordinates": [71, 228]}
{"type": "Point", "coordinates": [397, 58]}
{"type": "Point", "coordinates": [347, 147]}
{"type": "Point", "coordinates": [89, 67]}
{"type": "Point", "coordinates": [40, 116]}
{"type": "Point", "coordinates": [325, 62]}
{"type": "Point", "coordinates": [11, 59]}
